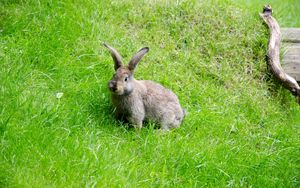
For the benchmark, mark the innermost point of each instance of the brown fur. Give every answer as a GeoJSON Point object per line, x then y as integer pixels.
{"type": "Point", "coordinates": [140, 100]}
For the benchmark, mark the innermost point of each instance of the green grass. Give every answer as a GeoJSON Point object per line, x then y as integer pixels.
{"type": "Point", "coordinates": [242, 129]}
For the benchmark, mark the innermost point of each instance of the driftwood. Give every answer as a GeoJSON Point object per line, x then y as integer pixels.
{"type": "Point", "coordinates": [274, 53]}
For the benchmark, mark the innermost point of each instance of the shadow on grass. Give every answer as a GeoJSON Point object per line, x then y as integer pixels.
{"type": "Point", "coordinates": [277, 90]}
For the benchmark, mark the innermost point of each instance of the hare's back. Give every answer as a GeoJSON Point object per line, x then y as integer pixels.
{"type": "Point", "coordinates": [159, 93]}
{"type": "Point", "coordinates": [162, 105]}
{"type": "Point", "coordinates": [160, 101]}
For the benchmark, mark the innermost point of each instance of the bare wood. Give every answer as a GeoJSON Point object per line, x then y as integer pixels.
{"type": "Point", "coordinates": [295, 75]}
{"type": "Point", "coordinates": [274, 52]}
{"type": "Point", "coordinates": [291, 49]}
{"type": "Point", "coordinates": [291, 66]}
{"type": "Point", "coordinates": [291, 57]}
{"type": "Point", "coordinates": [291, 60]}
{"type": "Point", "coordinates": [290, 34]}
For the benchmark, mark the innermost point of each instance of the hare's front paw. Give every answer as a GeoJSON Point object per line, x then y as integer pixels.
{"type": "Point", "coordinates": [136, 122]}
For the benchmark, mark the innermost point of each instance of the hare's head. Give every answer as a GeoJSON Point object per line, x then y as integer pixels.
{"type": "Point", "coordinates": [122, 81]}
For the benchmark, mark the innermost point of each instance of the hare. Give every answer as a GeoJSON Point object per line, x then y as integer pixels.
{"type": "Point", "coordinates": [139, 100]}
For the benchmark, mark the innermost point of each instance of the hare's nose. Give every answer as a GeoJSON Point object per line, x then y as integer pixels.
{"type": "Point", "coordinates": [112, 85]}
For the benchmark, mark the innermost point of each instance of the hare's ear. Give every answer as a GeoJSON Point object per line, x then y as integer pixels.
{"type": "Point", "coordinates": [115, 55]}
{"type": "Point", "coordinates": [137, 57]}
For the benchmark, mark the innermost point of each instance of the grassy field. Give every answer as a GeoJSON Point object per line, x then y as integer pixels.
{"type": "Point", "coordinates": [242, 129]}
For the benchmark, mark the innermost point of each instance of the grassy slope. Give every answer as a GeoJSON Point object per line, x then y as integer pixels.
{"type": "Point", "coordinates": [242, 128]}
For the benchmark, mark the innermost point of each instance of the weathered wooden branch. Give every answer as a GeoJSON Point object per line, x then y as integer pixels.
{"type": "Point", "coordinates": [274, 52]}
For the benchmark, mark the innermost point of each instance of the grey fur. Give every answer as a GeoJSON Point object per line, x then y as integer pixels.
{"type": "Point", "coordinates": [140, 100]}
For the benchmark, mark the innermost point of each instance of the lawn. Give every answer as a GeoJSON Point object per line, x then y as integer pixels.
{"type": "Point", "coordinates": [57, 123]}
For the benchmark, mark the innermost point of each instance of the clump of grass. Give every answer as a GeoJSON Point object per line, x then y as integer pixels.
{"type": "Point", "coordinates": [242, 127]}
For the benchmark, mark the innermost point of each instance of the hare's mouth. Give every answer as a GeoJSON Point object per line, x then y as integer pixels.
{"type": "Point", "coordinates": [116, 91]}
{"type": "Point", "coordinates": [119, 92]}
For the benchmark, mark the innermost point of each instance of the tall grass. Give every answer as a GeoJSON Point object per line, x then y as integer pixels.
{"type": "Point", "coordinates": [242, 129]}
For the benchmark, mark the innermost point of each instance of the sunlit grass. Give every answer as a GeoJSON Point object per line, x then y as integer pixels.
{"type": "Point", "coordinates": [242, 127]}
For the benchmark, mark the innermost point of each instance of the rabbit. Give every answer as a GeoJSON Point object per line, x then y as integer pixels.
{"type": "Point", "coordinates": [139, 100]}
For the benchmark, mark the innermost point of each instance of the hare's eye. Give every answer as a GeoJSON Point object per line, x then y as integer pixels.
{"type": "Point", "coordinates": [126, 78]}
